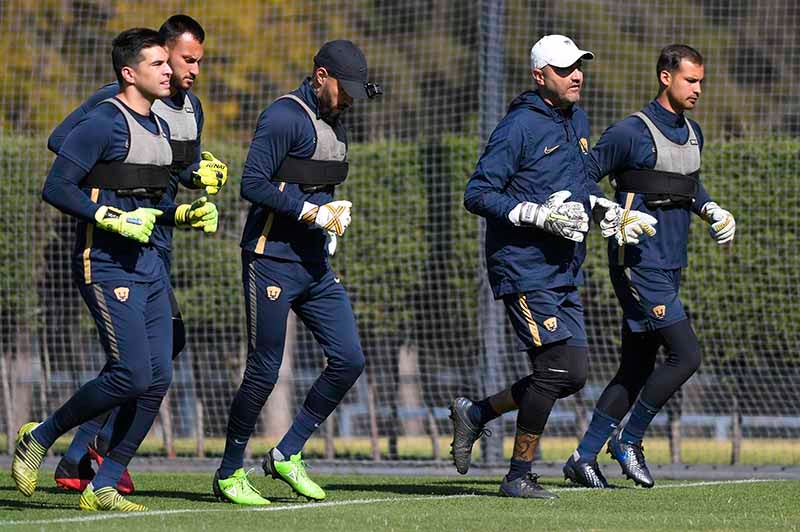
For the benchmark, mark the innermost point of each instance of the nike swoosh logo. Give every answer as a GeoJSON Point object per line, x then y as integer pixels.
{"type": "Point", "coordinates": [558, 370]}
{"type": "Point", "coordinates": [548, 151]}
{"type": "Point", "coordinates": [237, 442]}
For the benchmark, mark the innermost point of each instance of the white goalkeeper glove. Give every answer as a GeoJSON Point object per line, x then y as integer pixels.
{"type": "Point", "coordinates": [722, 225]}
{"type": "Point", "coordinates": [567, 219]}
{"type": "Point", "coordinates": [333, 216]}
{"type": "Point", "coordinates": [626, 226]}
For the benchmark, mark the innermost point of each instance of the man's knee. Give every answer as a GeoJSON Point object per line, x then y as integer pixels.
{"type": "Point", "coordinates": [560, 370]}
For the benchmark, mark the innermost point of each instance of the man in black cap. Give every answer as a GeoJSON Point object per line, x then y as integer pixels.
{"type": "Point", "coordinates": [297, 157]}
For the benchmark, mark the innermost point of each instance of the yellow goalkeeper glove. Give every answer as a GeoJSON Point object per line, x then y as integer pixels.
{"type": "Point", "coordinates": [212, 173]}
{"type": "Point", "coordinates": [136, 225]}
{"type": "Point", "coordinates": [200, 214]}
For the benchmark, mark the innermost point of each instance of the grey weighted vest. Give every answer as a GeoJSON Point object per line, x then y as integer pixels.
{"type": "Point", "coordinates": [182, 131]}
{"type": "Point", "coordinates": [145, 171]}
{"type": "Point", "coordinates": [326, 167]}
{"type": "Point", "coordinates": [673, 181]}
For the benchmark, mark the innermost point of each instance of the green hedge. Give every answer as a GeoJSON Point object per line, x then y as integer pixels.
{"type": "Point", "coordinates": [412, 248]}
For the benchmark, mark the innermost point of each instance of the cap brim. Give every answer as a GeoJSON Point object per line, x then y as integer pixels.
{"type": "Point", "coordinates": [584, 55]}
{"type": "Point", "coordinates": [355, 89]}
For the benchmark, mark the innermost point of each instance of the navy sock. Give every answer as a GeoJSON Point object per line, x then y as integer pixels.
{"type": "Point", "coordinates": [519, 468]}
{"type": "Point", "coordinates": [108, 475]}
{"type": "Point", "coordinates": [105, 433]}
{"type": "Point", "coordinates": [46, 433]}
{"type": "Point", "coordinates": [641, 417]}
{"type": "Point", "coordinates": [600, 429]}
{"type": "Point", "coordinates": [80, 442]}
{"type": "Point", "coordinates": [304, 425]}
{"type": "Point", "coordinates": [233, 458]}
{"type": "Point", "coordinates": [481, 412]}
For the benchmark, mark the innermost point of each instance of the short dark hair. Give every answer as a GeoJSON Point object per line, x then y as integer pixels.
{"type": "Point", "coordinates": [177, 25]}
{"type": "Point", "coordinates": [671, 56]}
{"type": "Point", "coordinates": [127, 48]}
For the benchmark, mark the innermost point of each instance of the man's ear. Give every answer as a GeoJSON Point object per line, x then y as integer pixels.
{"type": "Point", "coordinates": [538, 76]}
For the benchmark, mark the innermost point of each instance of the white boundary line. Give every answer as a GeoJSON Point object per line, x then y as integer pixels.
{"type": "Point", "coordinates": [351, 502]}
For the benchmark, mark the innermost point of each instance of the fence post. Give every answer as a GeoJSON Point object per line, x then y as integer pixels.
{"type": "Point", "coordinates": [491, 314]}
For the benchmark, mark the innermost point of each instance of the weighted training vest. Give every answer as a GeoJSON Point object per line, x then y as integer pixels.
{"type": "Point", "coordinates": [182, 132]}
{"type": "Point", "coordinates": [145, 171]}
{"type": "Point", "coordinates": [327, 167]}
{"type": "Point", "coordinates": [674, 179]}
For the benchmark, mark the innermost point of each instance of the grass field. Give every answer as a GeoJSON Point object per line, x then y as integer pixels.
{"type": "Point", "coordinates": [183, 501]}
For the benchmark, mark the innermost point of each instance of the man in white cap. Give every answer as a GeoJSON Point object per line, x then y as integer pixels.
{"type": "Point", "coordinates": [532, 187]}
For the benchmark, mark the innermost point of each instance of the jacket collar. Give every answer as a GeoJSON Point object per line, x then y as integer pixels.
{"type": "Point", "coordinates": [664, 117]}
{"type": "Point", "coordinates": [534, 101]}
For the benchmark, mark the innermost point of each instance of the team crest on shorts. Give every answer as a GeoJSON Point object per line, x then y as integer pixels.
{"type": "Point", "coordinates": [273, 292]}
{"type": "Point", "coordinates": [659, 311]}
{"type": "Point", "coordinates": [122, 293]}
{"type": "Point", "coordinates": [551, 324]}
{"type": "Point", "coordinates": [584, 145]}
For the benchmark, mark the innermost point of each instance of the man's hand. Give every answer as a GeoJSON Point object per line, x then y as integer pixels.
{"type": "Point", "coordinates": [626, 226]}
{"type": "Point", "coordinates": [212, 173]}
{"type": "Point", "coordinates": [722, 225]}
{"type": "Point", "coordinates": [200, 214]}
{"type": "Point", "coordinates": [333, 216]}
{"type": "Point", "coordinates": [136, 225]}
{"type": "Point", "coordinates": [568, 220]}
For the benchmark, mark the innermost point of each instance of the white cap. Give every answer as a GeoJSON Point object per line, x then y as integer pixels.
{"type": "Point", "coordinates": [558, 51]}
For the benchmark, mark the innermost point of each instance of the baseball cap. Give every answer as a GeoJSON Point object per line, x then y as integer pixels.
{"type": "Point", "coordinates": [346, 62]}
{"type": "Point", "coordinates": [558, 51]}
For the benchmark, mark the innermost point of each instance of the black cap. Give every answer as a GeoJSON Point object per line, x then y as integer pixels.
{"type": "Point", "coordinates": [345, 62]}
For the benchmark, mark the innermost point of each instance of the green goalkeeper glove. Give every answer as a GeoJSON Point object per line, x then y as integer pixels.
{"type": "Point", "coordinates": [136, 225]}
{"type": "Point", "coordinates": [200, 214]}
{"type": "Point", "coordinates": [212, 173]}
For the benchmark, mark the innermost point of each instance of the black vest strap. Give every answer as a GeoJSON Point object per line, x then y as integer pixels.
{"type": "Point", "coordinates": [311, 172]}
{"type": "Point", "coordinates": [184, 153]}
{"type": "Point", "coordinates": [127, 179]}
{"type": "Point", "coordinates": [661, 189]}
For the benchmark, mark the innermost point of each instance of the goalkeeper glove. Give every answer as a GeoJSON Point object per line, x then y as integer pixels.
{"type": "Point", "coordinates": [722, 225]}
{"type": "Point", "coordinates": [333, 216]}
{"type": "Point", "coordinates": [136, 225]}
{"type": "Point", "coordinates": [626, 226]}
{"type": "Point", "coordinates": [212, 173]}
{"type": "Point", "coordinates": [568, 220]}
{"type": "Point", "coordinates": [200, 214]}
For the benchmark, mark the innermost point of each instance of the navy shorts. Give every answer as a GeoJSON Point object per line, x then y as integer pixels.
{"type": "Point", "coordinates": [544, 317]}
{"type": "Point", "coordinates": [649, 297]}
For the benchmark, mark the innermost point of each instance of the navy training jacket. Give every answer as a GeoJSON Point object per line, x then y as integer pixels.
{"type": "Point", "coordinates": [534, 151]}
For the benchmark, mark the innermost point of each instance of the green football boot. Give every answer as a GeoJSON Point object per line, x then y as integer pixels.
{"type": "Point", "coordinates": [237, 489]}
{"type": "Point", "coordinates": [28, 456]}
{"type": "Point", "coordinates": [293, 473]}
{"type": "Point", "coordinates": [107, 499]}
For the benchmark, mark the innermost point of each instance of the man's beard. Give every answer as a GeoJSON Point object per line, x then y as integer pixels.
{"type": "Point", "coordinates": [328, 113]}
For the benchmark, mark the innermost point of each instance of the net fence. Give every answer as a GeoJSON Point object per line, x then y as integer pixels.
{"type": "Point", "coordinates": [411, 261]}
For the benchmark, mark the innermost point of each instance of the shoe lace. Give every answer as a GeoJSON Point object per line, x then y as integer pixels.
{"type": "Point", "coordinates": [485, 432]}
{"type": "Point", "coordinates": [532, 479]}
{"type": "Point", "coordinates": [245, 483]}
{"type": "Point", "coordinates": [638, 452]}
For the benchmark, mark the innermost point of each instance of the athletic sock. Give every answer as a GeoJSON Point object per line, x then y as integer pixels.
{"type": "Point", "coordinates": [108, 475]}
{"type": "Point", "coordinates": [641, 417]}
{"type": "Point", "coordinates": [518, 469]}
{"type": "Point", "coordinates": [481, 412]}
{"type": "Point", "coordinates": [303, 426]}
{"type": "Point", "coordinates": [600, 429]}
{"type": "Point", "coordinates": [80, 442]}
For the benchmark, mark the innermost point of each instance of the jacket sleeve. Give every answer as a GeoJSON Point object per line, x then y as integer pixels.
{"type": "Point", "coordinates": [59, 134]}
{"type": "Point", "coordinates": [485, 194]}
{"type": "Point", "coordinates": [276, 129]}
